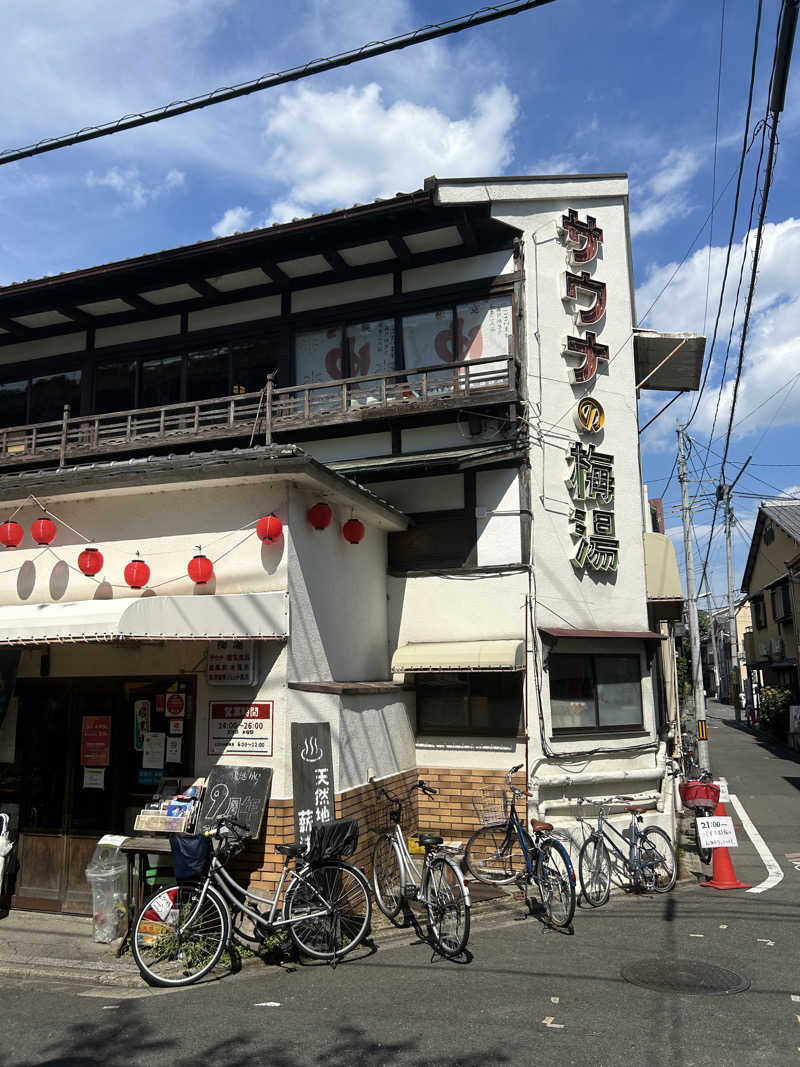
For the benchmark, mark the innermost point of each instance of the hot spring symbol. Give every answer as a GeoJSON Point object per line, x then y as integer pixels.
{"type": "Point", "coordinates": [310, 752]}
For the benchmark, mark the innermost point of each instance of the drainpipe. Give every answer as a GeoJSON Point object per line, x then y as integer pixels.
{"type": "Point", "coordinates": [597, 778]}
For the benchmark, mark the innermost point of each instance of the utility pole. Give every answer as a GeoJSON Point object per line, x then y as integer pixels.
{"type": "Point", "coordinates": [694, 628]}
{"type": "Point", "coordinates": [724, 494]}
{"type": "Point", "coordinates": [712, 632]}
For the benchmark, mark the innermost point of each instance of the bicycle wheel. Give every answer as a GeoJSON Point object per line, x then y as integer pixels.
{"type": "Point", "coordinates": [387, 879]}
{"type": "Point", "coordinates": [658, 860]}
{"type": "Point", "coordinates": [556, 881]}
{"type": "Point", "coordinates": [329, 910]}
{"type": "Point", "coordinates": [594, 867]}
{"type": "Point", "coordinates": [448, 911]}
{"type": "Point", "coordinates": [176, 938]}
{"type": "Point", "coordinates": [493, 855]}
{"type": "Point", "coordinates": [703, 853]}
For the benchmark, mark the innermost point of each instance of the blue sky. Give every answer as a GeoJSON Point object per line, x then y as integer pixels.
{"type": "Point", "coordinates": [572, 87]}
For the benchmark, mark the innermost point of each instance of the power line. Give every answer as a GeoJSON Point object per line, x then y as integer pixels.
{"type": "Point", "coordinates": [269, 81]}
{"type": "Point", "coordinates": [714, 169]}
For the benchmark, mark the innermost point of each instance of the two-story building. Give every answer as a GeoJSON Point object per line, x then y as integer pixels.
{"type": "Point", "coordinates": [771, 644]}
{"type": "Point", "coordinates": [390, 456]}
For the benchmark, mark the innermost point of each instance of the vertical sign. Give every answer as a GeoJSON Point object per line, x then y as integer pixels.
{"type": "Point", "coordinates": [312, 777]}
{"type": "Point", "coordinates": [95, 740]}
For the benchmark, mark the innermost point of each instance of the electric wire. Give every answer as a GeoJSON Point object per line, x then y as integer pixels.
{"type": "Point", "coordinates": [269, 81]}
{"type": "Point", "coordinates": [714, 167]}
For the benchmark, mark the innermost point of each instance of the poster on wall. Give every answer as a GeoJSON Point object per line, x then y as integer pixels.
{"type": "Point", "coordinates": [175, 707]}
{"type": "Point", "coordinates": [236, 728]}
{"type": "Point", "coordinates": [231, 663]}
{"type": "Point", "coordinates": [95, 740]}
{"type": "Point", "coordinates": [141, 723]}
{"type": "Point", "coordinates": [153, 751]}
{"type": "Point", "coordinates": [318, 356]}
{"type": "Point", "coordinates": [313, 786]}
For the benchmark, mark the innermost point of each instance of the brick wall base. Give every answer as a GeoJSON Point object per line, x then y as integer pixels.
{"type": "Point", "coordinates": [450, 813]}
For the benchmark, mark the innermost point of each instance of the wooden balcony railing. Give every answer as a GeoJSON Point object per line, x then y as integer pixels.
{"type": "Point", "coordinates": [258, 415]}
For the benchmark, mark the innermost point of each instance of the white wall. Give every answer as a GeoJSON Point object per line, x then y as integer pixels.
{"type": "Point", "coordinates": [458, 608]}
{"type": "Point", "coordinates": [497, 504]}
{"type": "Point", "coordinates": [337, 593]}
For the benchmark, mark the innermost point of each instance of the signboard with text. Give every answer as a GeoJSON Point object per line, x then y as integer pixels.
{"type": "Point", "coordinates": [313, 786]}
{"type": "Point", "coordinates": [717, 832]}
{"type": "Point", "coordinates": [95, 740]}
{"type": "Point", "coordinates": [239, 727]}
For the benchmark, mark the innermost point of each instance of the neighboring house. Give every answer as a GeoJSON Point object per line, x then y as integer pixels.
{"type": "Point", "coordinates": [771, 645]}
{"type": "Point", "coordinates": [718, 667]}
{"type": "Point", "coordinates": [404, 435]}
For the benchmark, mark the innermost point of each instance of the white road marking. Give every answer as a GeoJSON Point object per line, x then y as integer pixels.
{"type": "Point", "coordinates": [267, 1004]}
{"type": "Point", "coordinates": [109, 1007]}
{"type": "Point", "coordinates": [774, 872]}
{"type": "Point", "coordinates": [767, 942]}
{"type": "Point", "coordinates": [555, 1000]}
{"type": "Point", "coordinates": [697, 935]}
{"type": "Point", "coordinates": [795, 998]}
{"type": "Point", "coordinates": [723, 926]}
{"type": "Point", "coordinates": [548, 1021]}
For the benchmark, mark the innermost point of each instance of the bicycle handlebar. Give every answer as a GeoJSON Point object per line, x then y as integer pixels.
{"type": "Point", "coordinates": [428, 790]}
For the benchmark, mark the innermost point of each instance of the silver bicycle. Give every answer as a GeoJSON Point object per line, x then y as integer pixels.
{"type": "Point", "coordinates": [646, 855]}
{"type": "Point", "coordinates": [439, 885]}
{"type": "Point", "coordinates": [182, 931]}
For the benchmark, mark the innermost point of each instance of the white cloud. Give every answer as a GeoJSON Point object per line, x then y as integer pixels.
{"type": "Point", "coordinates": [772, 352]}
{"type": "Point", "coordinates": [234, 220]}
{"type": "Point", "coordinates": [665, 196]}
{"type": "Point", "coordinates": [132, 190]}
{"type": "Point", "coordinates": [349, 146]}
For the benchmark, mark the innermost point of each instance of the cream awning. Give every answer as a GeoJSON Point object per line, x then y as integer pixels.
{"type": "Point", "coordinates": [153, 618]}
{"type": "Point", "coordinates": [460, 656]}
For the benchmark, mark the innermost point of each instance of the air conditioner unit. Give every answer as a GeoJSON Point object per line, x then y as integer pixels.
{"type": "Point", "coordinates": [776, 648]}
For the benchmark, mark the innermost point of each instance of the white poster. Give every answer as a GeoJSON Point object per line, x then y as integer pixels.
{"type": "Point", "coordinates": [94, 777]}
{"type": "Point", "coordinates": [174, 749]}
{"type": "Point", "coordinates": [153, 751]}
{"type": "Point", "coordinates": [428, 338]}
{"type": "Point", "coordinates": [318, 356]}
{"type": "Point", "coordinates": [371, 347]}
{"type": "Point", "coordinates": [8, 733]}
{"type": "Point", "coordinates": [717, 832]}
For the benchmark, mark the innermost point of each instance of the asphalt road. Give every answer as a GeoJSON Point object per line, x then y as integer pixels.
{"type": "Point", "coordinates": [528, 994]}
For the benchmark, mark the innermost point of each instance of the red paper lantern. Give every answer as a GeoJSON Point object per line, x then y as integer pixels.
{"type": "Point", "coordinates": [353, 531]}
{"type": "Point", "coordinates": [200, 569]}
{"type": "Point", "coordinates": [43, 531]}
{"type": "Point", "coordinates": [320, 515]}
{"type": "Point", "coordinates": [269, 528]}
{"type": "Point", "coordinates": [11, 534]}
{"type": "Point", "coordinates": [90, 562]}
{"type": "Point", "coordinates": [137, 574]}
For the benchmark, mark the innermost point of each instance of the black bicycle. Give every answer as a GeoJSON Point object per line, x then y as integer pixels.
{"type": "Point", "coordinates": [182, 931]}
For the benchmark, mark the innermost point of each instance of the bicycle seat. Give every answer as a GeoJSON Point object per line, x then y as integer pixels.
{"type": "Point", "coordinates": [637, 811]}
{"type": "Point", "coordinates": [429, 840]}
{"type": "Point", "coordinates": [288, 850]}
{"type": "Point", "coordinates": [537, 826]}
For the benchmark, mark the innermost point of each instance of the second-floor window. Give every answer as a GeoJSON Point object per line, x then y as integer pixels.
{"type": "Point", "coordinates": [780, 602]}
{"type": "Point", "coordinates": [595, 692]}
{"type": "Point", "coordinates": [759, 613]}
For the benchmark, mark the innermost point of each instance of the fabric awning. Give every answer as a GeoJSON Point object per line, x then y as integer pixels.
{"type": "Point", "coordinates": [153, 618]}
{"type": "Point", "coordinates": [506, 655]}
{"type": "Point", "coordinates": [664, 590]}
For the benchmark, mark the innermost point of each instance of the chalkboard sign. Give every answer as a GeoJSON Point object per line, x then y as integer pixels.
{"type": "Point", "coordinates": [313, 786]}
{"type": "Point", "coordinates": [240, 793]}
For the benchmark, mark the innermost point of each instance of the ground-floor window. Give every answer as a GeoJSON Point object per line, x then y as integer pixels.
{"type": "Point", "coordinates": [595, 692]}
{"type": "Point", "coordinates": [480, 703]}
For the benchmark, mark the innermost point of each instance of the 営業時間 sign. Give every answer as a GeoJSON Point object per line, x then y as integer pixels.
{"type": "Point", "coordinates": [235, 728]}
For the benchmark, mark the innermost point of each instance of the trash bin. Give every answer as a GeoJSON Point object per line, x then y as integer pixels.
{"type": "Point", "coordinates": [107, 874]}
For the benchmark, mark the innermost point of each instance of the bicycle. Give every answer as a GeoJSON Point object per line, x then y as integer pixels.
{"type": "Point", "coordinates": [700, 794]}
{"type": "Point", "coordinates": [182, 931]}
{"type": "Point", "coordinates": [492, 855]}
{"type": "Point", "coordinates": [650, 859]}
{"type": "Point", "coordinates": [440, 885]}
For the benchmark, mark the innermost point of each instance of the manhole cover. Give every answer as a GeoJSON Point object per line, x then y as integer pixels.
{"type": "Point", "coordinates": [685, 976]}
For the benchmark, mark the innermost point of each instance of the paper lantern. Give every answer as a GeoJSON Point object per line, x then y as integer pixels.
{"type": "Point", "coordinates": [320, 515]}
{"type": "Point", "coordinates": [43, 531]}
{"type": "Point", "coordinates": [353, 531]}
{"type": "Point", "coordinates": [90, 562]}
{"type": "Point", "coordinates": [137, 574]}
{"type": "Point", "coordinates": [200, 569]}
{"type": "Point", "coordinates": [269, 528]}
{"type": "Point", "coordinates": [11, 534]}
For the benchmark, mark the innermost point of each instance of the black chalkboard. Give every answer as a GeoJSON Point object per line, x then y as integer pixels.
{"type": "Point", "coordinates": [240, 793]}
{"type": "Point", "coordinates": [313, 787]}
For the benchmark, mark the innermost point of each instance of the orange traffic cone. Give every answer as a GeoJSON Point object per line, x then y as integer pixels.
{"type": "Point", "coordinates": [724, 876]}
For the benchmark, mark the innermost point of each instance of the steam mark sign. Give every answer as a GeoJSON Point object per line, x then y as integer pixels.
{"type": "Point", "coordinates": [312, 777]}
{"type": "Point", "coordinates": [236, 728]}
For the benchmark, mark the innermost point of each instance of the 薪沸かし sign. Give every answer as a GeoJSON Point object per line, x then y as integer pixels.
{"type": "Point", "coordinates": [313, 787]}
{"type": "Point", "coordinates": [235, 728]}
{"type": "Point", "coordinates": [717, 832]}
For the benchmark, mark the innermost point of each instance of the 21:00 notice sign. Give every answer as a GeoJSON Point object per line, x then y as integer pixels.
{"type": "Point", "coordinates": [237, 728]}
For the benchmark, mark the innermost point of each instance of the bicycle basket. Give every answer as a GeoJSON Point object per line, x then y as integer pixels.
{"type": "Point", "coordinates": [191, 854]}
{"type": "Point", "coordinates": [491, 805]}
{"type": "Point", "coordinates": [699, 794]}
{"type": "Point", "coordinates": [333, 840]}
